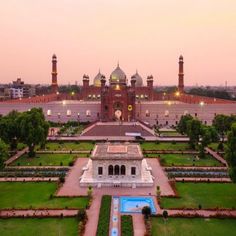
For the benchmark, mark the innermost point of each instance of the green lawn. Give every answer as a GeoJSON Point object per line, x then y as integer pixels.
{"type": "Point", "coordinates": [170, 134]}
{"type": "Point", "coordinates": [67, 146]}
{"type": "Point", "coordinates": [165, 146]}
{"type": "Point", "coordinates": [47, 160]}
{"type": "Point", "coordinates": [38, 227]}
{"type": "Point", "coordinates": [209, 195]}
{"type": "Point", "coordinates": [193, 227]}
{"type": "Point", "coordinates": [35, 194]}
{"type": "Point", "coordinates": [214, 146]}
{"type": "Point", "coordinates": [187, 160]}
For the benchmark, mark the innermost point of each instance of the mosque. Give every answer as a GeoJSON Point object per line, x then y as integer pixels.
{"type": "Point", "coordinates": [117, 99]}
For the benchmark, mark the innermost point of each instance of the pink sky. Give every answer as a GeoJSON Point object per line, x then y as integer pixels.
{"type": "Point", "coordinates": [145, 34]}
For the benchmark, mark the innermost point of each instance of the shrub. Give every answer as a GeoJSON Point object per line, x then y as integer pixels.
{"type": "Point", "coordinates": [146, 211]}
{"type": "Point", "coordinates": [165, 214]}
{"type": "Point", "coordinates": [62, 179]}
{"type": "Point", "coordinates": [82, 215]}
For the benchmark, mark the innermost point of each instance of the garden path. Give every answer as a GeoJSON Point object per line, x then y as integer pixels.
{"type": "Point", "coordinates": [93, 215]}
{"type": "Point", "coordinates": [16, 156]}
{"type": "Point", "coordinates": [139, 226]}
{"type": "Point", "coordinates": [216, 156]}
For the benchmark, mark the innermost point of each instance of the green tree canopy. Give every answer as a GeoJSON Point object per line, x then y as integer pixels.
{"type": "Point", "coordinates": [9, 129]}
{"type": "Point", "coordinates": [3, 153]}
{"type": "Point", "coordinates": [33, 128]}
{"type": "Point", "coordinates": [182, 125]}
{"type": "Point", "coordinates": [231, 152]}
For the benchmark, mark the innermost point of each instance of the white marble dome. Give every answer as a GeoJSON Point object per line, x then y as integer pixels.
{"type": "Point", "coordinates": [138, 79]}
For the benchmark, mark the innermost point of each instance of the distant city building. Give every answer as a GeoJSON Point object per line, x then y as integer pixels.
{"type": "Point", "coordinates": [21, 90]}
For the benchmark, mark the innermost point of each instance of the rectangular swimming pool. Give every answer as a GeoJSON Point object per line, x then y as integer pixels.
{"type": "Point", "coordinates": [136, 204]}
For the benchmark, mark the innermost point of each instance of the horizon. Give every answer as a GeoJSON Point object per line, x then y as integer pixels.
{"type": "Point", "coordinates": [90, 35]}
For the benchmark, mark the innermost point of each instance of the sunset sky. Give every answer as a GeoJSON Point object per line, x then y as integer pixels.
{"type": "Point", "coordinates": [148, 35]}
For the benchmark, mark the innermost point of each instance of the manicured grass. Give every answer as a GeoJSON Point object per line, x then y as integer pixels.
{"type": "Point", "coordinates": [47, 159]}
{"type": "Point", "coordinates": [214, 146]}
{"type": "Point", "coordinates": [195, 226]}
{"type": "Point", "coordinates": [164, 146]}
{"type": "Point", "coordinates": [67, 146]}
{"type": "Point", "coordinates": [208, 195]}
{"type": "Point", "coordinates": [104, 216]}
{"type": "Point", "coordinates": [170, 134]}
{"type": "Point", "coordinates": [45, 226]}
{"type": "Point", "coordinates": [187, 160]}
{"type": "Point", "coordinates": [127, 228]}
{"type": "Point", "coordinates": [35, 195]}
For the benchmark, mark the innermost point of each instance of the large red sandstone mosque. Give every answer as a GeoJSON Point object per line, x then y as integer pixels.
{"type": "Point", "coordinates": [120, 99]}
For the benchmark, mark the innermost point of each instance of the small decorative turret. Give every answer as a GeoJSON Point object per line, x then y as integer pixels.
{"type": "Point", "coordinates": [85, 81]}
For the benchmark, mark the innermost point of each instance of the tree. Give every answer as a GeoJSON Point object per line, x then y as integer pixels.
{"type": "Point", "coordinates": [206, 138]}
{"type": "Point", "coordinates": [9, 129]}
{"type": "Point", "coordinates": [146, 211]}
{"type": "Point", "coordinates": [182, 125]}
{"type": "Point", "coordinates": [3, 153]}
{"type": "Point", "coordinates": [193, 132]}
{"type": "Point", "coordinates": [33, 128]}
{"type": "Point", "coordinates": [220, 122]}
{"type": "Point", "coordinates": [231, 152]}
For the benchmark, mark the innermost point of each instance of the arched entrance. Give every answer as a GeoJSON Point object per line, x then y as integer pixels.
{"type": "Point", "coordinates": [118, 111]}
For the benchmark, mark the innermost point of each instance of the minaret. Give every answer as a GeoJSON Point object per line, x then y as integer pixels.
{"type": "Point", "coordinates": [54, 86]}
{"type": "Point", "coordinates": [181, 74]}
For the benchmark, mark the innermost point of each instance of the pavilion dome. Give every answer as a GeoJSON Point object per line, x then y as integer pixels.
{"type": "Point", "coordinates": [138, 79]}
{"type": "Point", "coordinates": [97, 80]}
{"type": "Point", "coordinates": [118, 76]}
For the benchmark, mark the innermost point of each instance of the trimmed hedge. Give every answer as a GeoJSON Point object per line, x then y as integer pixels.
{"type": "Point", "coordinates": [104, 216]}
{"type": "Point", "coordinates": [127, 228]}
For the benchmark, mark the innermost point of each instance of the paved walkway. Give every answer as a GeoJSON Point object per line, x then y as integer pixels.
{"type": "Point", "coordinates": [217, 156]}
{"type": "Point", "coordinates": [36, 213]}
{"type": "Point", "coordinates": [139, 226]}
{"type": "Point", "coordinates": [71, 187]}
{"type": "Point", "coordinates": [16, 156]}
{"type": "Point", "coordinates": [93, 215]}
{"type": "Point", "coordinates": [29, 179]}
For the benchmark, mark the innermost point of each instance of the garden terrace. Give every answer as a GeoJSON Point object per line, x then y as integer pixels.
{"type": "Point", "coordinates": [193, 226]}
{"type": "Point", "coordinates": [158, 146]}
{"type": "Point", "coordinates": [205, 195]}
{"type": "Point", "coordinates": [187, 160]}
{"type": "Point", "coordinates": [47, 160]}
{"type": "Point", "coordinates": [36, 226]}
{"type": "Point", "coordinates": [69, 146]}
{"type": "Point", "coordinates": [32, 195]}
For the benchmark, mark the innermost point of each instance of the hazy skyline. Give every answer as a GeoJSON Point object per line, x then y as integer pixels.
{"type": "Point", "coordinates": [146, 35]}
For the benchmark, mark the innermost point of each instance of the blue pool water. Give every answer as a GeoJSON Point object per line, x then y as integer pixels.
{"type": "Point", "coordinates": [135, 204]}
